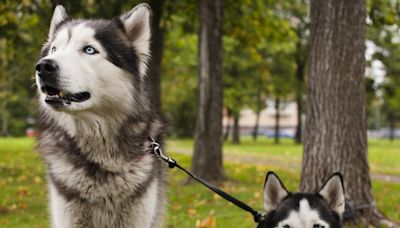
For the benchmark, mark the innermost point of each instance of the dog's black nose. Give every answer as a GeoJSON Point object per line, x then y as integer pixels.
{"type": "Point", "coordinates": [46, 67]}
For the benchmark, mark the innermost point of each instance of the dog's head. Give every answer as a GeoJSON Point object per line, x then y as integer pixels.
{"type": "Point", "coordinates": [284, 209]}
{"type": "Point", "coordinates": [93, 65]}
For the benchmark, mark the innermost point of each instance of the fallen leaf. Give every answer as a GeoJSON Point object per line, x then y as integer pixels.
{"type": "Point", "coordinates": [22, 192]}
{"type": "Point", "coordinates": [191, 211]}
{"type": "Point", "coordinates": [176, 206]}
{"type": "Point", "coordinates": [13, 207]}
{"type": "Point", "coordinates": [216, 197]}
{"type": "Point", "coordinates": [23, 206]}
{"type": "Point", "coordinates": [209, 222]}
{"type": "Point", "coordinates": [37, 180]}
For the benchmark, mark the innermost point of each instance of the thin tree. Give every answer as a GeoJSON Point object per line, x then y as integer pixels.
{"type": "Point", "coordinates": [207, 157]}
{"type": "Point", "coordinates": [336, 128]}
{"type": "Point", "coordinates": [236, 128]}
{"type": "Point", "coordinates": [300, 62]}
{"type": "Point", "coordinates": [153, 80]}
{"type": "Point", "coordinates": [300, 27]}
{"type": "Point", "coordinates": [277, 118]}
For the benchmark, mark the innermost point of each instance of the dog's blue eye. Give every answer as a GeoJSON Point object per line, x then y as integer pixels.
{"type": "Point", "coordinates": [53, 49]}
{"type": "Point", "coordinates": [90, 50]}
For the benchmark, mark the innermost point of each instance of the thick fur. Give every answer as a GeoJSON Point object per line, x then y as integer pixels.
{"type": "Point", "coordinates": [100, 171]}
{"type": "Point", "coordinates": [284, 209]}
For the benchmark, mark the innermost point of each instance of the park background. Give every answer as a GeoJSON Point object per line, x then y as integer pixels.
{"type": "Point", "coordinates": [264, 57]}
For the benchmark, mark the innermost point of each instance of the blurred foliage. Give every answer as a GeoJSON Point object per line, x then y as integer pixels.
{"type": "Point", "coordinates": [179, 80]}
{"type": "Point", "coordinates": [384, 32]}
{"type": "Point", "coordinates": [21, 31]}
{"type": "Point", "coordinates": [264, 44]}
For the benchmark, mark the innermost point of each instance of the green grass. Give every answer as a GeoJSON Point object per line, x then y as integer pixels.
{"type": "Point", "coordinates": [384, 155]}
{"type": "Point", "coordinates": [23, 199]}
{"type": "Point", "coordinates": [22, 185]}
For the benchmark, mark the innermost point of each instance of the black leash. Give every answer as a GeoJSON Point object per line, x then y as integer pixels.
{"type": "Point", "coordinates": [258, 216]}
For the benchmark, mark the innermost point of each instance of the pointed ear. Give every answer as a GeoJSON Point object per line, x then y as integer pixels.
{"type": "Point", "coordinates": [274, 192]}
{"type": "Point", "coordinates": [333, 193]}
{"type": "Point", "coordinates": [137, 26]}
{"type": "Point", "coordinates": [59, 15]}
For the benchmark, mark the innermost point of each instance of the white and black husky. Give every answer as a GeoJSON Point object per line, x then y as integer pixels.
{"type": "Point", "coordinates": [96, 120]}
{"type": "Point", "coordinates": [303, 210]}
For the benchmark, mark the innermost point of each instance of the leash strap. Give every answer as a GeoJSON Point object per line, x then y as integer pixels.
{"type": "Point", "coordinates": [156, 148]}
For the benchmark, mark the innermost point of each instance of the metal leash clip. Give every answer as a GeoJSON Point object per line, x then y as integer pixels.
{"type": "Point", "coordinates": [158, 151]}
{"type": "Point", "coordinates": [260, 216]}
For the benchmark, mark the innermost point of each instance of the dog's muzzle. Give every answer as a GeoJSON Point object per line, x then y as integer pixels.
{"type": "Point", "coordinates": [48, 73]}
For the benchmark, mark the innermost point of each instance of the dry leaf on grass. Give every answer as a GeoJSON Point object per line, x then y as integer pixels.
{"type": "Point", "coordinates": [191, 211]}
{"type": "Point", "coordinates": [209, 222]}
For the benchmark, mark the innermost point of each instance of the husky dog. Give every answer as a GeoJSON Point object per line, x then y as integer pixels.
{"type": "Point", "coordinates": [303, 210]}
{"type": "Point", "coordinates": [96, 119]}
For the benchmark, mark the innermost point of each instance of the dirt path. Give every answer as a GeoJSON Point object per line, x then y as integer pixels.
{"type": "Point", "coordinates": [253, 159]}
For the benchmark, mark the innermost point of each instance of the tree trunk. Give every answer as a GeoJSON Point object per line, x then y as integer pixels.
{"type": "Point", "coordinates": [256, 125]}
{"type": "Point", "coordinates": [4, 121]}
{"type": "Point", "coordinates": [207, 156]}
{"type": "Point", "coordinates": [227, 131]}
{"type": "Point", "coordinates": [153, 79]}
{"type": "Point", "coordinates": [277, 117]}
{"type": "Point", "coordinates": [228, 125]}
{"type": "Point", "coordinates": [335, 137]}
{"type": "Point", "coordinates": [299, 127]}
{"type": "Point", "coordinates": [236, 129]}
{"type": "Point", "coordinates": [392, 124]}
{"type": "Point", "coordinates": [300, 65]}
{"type": "Point", "coordinates": [258, 111]}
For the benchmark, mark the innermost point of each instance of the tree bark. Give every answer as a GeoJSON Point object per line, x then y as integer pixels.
{"type": "Point", "coordinates": [392, 125]}
{"type": "Point", "coordinates": [207, 156]}
{"type": "Point", "coordinates": [4, 122]}
{"type": "Point", "coordinates": [300, 65]}
{"type": "Point", "coordinates": [298, 138]}
{"type": "Point", "coordinates": [236, 129]}
{"type": "Point", "coordinates": [228, 125]}
{"type": "Point", "coordinates": [227, 131]}
{"type": "Point", "coordinates": [153, 79]}
{"type": "Point", "coordinates": [258, 111]}
{"type": "Point", "coordinates": [277, 117]}
{"type": "Point", "coordinates": [256, 125]}
{"type": "Point", "coordinates": [335, 137]}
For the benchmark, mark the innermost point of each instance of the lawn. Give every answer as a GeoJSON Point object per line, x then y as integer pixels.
{"type": "Point", "coordinates": [23, 190]}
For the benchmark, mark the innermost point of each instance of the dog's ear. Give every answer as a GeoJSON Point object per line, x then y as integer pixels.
{"type": "Point", "coordinates": [333, 193]}
{"type": "Point", "coordinates": [59, 15]}
{"type": "Point", "coordinates": [137, 26]}
{"type": "Point", "coordinates": [274, 192]}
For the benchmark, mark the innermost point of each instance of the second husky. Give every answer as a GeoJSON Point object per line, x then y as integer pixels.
{"type": "Point", "coordinates": [323, 209]}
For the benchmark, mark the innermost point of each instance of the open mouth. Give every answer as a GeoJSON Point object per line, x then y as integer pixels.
{"type": "Point", "coordinates": [56, 97]}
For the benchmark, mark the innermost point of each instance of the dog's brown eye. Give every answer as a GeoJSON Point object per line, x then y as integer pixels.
{"type": "Point", "coordinates": [318, 226]}
{"type": "Point", "coordinates": [286, 226]}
